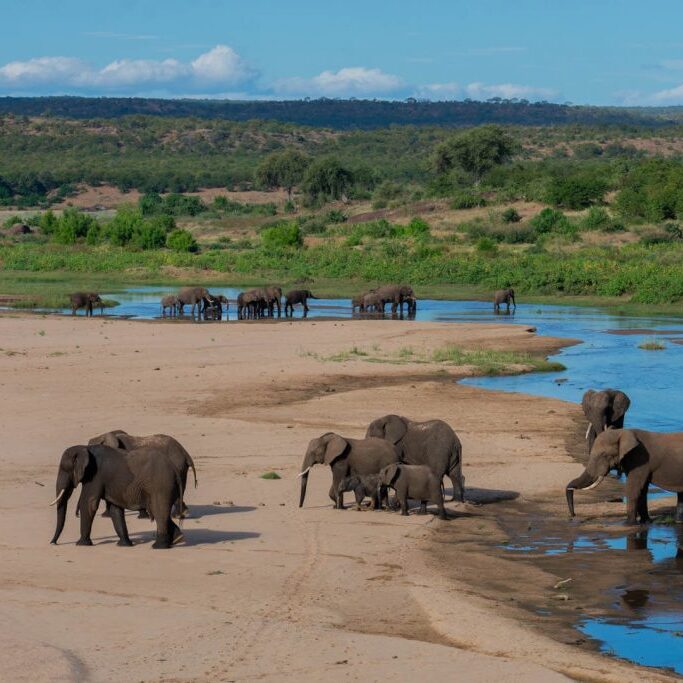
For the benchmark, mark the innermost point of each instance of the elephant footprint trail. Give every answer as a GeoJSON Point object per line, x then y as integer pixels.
{"type": "Point", "coordinates": [266, 623]}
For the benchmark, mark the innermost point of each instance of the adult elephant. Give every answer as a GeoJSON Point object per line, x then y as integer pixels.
{"type": "Point", "coordinates": [432, 443]}
{"type": "Point", "coordinates": [346, 458]}
{"type": "Point", "coordinates": [645, 457]}
{"type": "Point", "coordinates": [504, 296]}
{"type": "Point", "coordinates": [397, 296]}
{"type": "Point", "coordinates": [85, 300]}
{"type": "Point", "coordinates": [192, 296]}
{"type": "Point", "coordinates": [126, 481]}
{"type": "Point", "coordinates": [605, 410]}
{"type": "Point", "coordinates": [250, 304]}
{"type": "Point", "coordinates": [273, 298]}
{"type": "Point", "coordinates": [298, 296]}
{"type": "Point", "coordinates": [163, 444]}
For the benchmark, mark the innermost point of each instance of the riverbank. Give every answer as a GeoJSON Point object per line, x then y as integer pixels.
{"type": "Point", "coordinates": [263, 589]}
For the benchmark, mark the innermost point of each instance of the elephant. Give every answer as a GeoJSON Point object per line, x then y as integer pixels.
{"type": "Point", "coordinates": [221, 300]}
{"type": "Point", "coordinates": [396, 295]}
{"type": "Point", "coordinates": [298, 296]}
{"type": "Point", "coordinates": [413, 481]}
{"type": "Point", "coordinates": [273, 297]}
{"type": "Point", "coordinates": [363, 486]}
{"type": "Point", "coordinates": [358, 302]}
{"type": "Point", "coordinates": [126, 481]}
{"type": "Point", "coordinates": [432, 443]}
{"type": "Point", "coordinates": [504, 296]}
{"type": "Point", "coordinates": [85, 300]}
{"type": "Point", "coordinates": [192, 296]}
{"type": "Point", "coordinates": [162, 444]}
{"type": "Point", "coordinates": [171, 303]}
{"type": "Point", "coordinates": [372, 303]}
{"type": "Point", "coordinates": [250, 304]}
{"type": "Point", "coordinates": [604, 410]}
{"type": "Point", "coordinates": [346, 457]}
{"type": "Point", "coordinates": [212, 308]}
{"type": "Point", "coordinates": [645, 457]}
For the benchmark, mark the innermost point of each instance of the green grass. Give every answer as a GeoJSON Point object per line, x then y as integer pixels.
{"type": "Point", "coordinates": [652, 345]}
{"type": "Point", "coordinates": [271, 475]}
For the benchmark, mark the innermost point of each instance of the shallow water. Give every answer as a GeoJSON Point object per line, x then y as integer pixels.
{"type": "Point", "coordinates": [646, 630]}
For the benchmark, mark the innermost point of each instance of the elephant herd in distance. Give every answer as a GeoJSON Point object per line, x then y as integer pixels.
{"type": "Point", "coordinates": [148, 474]}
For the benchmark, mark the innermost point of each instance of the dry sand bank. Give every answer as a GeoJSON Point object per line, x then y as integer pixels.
{"type": "Point", "coordinates": [262, 590]}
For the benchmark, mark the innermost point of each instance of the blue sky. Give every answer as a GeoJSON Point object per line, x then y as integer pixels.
{"type": "Point", "coordinates": [583, 51]}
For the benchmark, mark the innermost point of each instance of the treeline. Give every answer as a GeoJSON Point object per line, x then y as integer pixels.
{"type": "Point", "coordinates": [346, 114]}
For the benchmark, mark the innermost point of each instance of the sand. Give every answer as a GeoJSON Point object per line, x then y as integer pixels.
{"type": "Point", "coordinates": [263, 590]}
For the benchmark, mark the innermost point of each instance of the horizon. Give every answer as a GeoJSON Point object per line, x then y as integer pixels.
{"type": "Point", "coordinates": [619, 53]}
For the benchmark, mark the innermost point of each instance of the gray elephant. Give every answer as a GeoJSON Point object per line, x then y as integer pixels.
{"type": "Point", "coordinates": [192, 296]}
{"type": "Point", "coordinates": [372, 303]}
{"type": "Point", "coordinates": [416, 482]}
{"type": "Point", "coordinates": [169, 303]}
{"type": "Point", "coordinates": [605, 410]}
{"type": "Point", "coordinates": [85, 300]}
{"type": "Point", "coordinates": [250, 304]}
{"type": "Point", "coordinates": [273, 296]}
{"type": "Point", "coordinates": [298, 296]}
{"type": "Point", "coordinates": [346, 457]}
{"type": "Point", "coordinates": [397, 296]}
{"type": "Point", "coordinates": [162, 444]}
{"type": "Point", "coordinates": [126, 481]}
{"type": "Point", "coordinates": [362, 487]}
{"type": "Point", "coordinates": [645, 457]}
{"type": "Point", "coordinates": [432, 443]}
{"type": "Point", "coordinates": [504, 296]}
{"type": "Point", "coordinates": [358, 301]}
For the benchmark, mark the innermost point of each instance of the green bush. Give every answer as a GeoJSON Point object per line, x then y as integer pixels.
{"type": "Point", "coordinates": [282, 236]}
{"type": "Point", "coordinates": [12, 220]}
{"type": "Point", "coordinates": [336, 216]}
{"type": "Point", "coordinates": [511, 215]}
{"type": "Point", "coordinates": [467, 200]}
{"type": "Point", "coordinates": [48, 222]}
{"type": "Point", "coordinates": [486, 245]}
{"type": "Point", "coordinates": [577, 191]}
{"type": "Point", "coordinates": [150, 235]}
{"type": "Point", "coordinates": [182, 241]}
{"type": "Point", "coordinates": [417, 227]}
{"type": "Point", "coordinates": [551, 221]}
{"type": "Point", "coordinates": [597, 218]}
{"type": "Point", "coordinates": [71, 226]}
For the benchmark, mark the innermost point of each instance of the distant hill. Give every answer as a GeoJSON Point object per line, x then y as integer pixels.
{"type": "Point", "coordinates": [346, 114]}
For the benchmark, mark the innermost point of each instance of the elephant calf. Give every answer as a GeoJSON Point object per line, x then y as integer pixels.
{"type": "Point", "coordinates": [362, 487]}
{"type": "Point", "coordinates": [413, 481]}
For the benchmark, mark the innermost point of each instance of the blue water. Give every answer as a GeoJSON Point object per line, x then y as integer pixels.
{"type": "Point", "coordinates": [651, 633]}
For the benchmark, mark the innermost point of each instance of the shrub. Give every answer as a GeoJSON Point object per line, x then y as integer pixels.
{"type": "Point", "coordinates": [336, 216]}
{"type": "Point", "coordinates": [576, 192]}
{"type": "Point", "coordinates": [486, 245]}
{"type": "Point", "coordinates": [417, 227]}
{"type": "Point", "coordinates": [125, 223]}
{"type": "Point", "coordinates": [597, 218]}
{"type": "Point", "coordinates": [290, 206]}
{"type": "Point", "coordinates": [94, 235]}
{"type": "Point", "coordinates": [511, 215]}
{"type": "Point", "coordinates": [550, 220]}
{"type": "Point", "coordinates": [467, 200]}
{"type": "Point", "coordinates": [282, 236]}
{"type": "Point", "coordinates": [150, 235]}
{"type": "Point", "coordinates": [12, 220]}
{"type": "Point", "coordinates": [386, 192]}
{"type": "Point", "coordinates": [48, 222]}
{"type": "Point", "coordinates": [72, 225]}
{"type": "Point", "coordinates": [181, 240]}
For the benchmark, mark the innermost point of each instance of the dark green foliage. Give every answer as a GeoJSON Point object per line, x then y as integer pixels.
{"type": "Point", "coordinates": [282, 169]}
{"type": "Point", "coordinates": [282, 236]}
{"type": "Point", "coordinates": [486, 245]}
{"type": "Point", "coordinates": [230, 207]}
{"type": "Point", "coordinates": [181, 241]}
{"type": "Point", "coordinates": [327, 179]}
{"type": "Point", "coordinates": [577, 191]}
{"type": "Point", "coordinates": [386, 192]}
{"type": "Point", "coordinates": [173, 204]}
{"type": "Point", "coordinates": [551, 221]}
{"type": "Point", "coordinates": [467, 199]}
{"type": "Point", "coordinates": [652, 190]}
{"type": "Point", "coordinates": [597, 218]}
{"type": "Point", "coordinates": [475, 151]}
{"type": "Point", "coordinates": [511, 215]}
{"type": "Point", "coordinates": [336, 216]}
{"type": "Point", "coordinates": [510, 234]}
{"type": "Point", "coordinates": [71, 226]}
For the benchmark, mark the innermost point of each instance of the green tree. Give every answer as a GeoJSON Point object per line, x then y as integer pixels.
{"type": "Point", "coordinates": [284, 169]}
{"type": "Point", "coordinates": [281, 236]}
{"type": "Point", "coordinates": [327, 179]}
{"type": "Point", "coordinates": [181, 240]}
{"type": "Point", "coordinates": [475, 151]}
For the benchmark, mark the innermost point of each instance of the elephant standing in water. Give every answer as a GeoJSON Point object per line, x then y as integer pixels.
{"type": "Point", "coordinates": [432, 443]}
{"type": "Point", "coordinates": [164, 445]}
{"type": "Point", "coordinates": [396, 295]}
{"type": "Point", "coordinates": [504, 296]}
{"type": "Point", "coordinates": [127, 481]}
{"type": "Point", "coordinates": [169, 303]}
{"type": "Point", "coordinates": [605, 410]}
{"type": "Point", "coordinates": [645, 458]}
{"type": "Point", "coordinates": [85, 300]}
{"type": "Point", "coordinates": [192, 296]}
{"type": "Point", "coordinates": [346, 458]}
{"type": "Point", "coordinates": [298, 296]}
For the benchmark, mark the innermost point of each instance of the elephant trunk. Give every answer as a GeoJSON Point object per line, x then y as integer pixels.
{"type": "Point", "coordinates": [304, 484]}
{"type": "Point", "coordinates": [583, 483]}
{"type": "Point", "coordinates": [62, 499]}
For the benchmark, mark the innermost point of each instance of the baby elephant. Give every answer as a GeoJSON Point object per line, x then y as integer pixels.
{"type": "Point", "coordinates": [413, 481]}
{"type": "Point", "coordinates": [362, 486]}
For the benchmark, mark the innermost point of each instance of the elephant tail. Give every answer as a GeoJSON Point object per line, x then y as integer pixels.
{"type": "Point", "coordinates": [190, 464]}
{"type": "Point", "coordinates": [179, 483]}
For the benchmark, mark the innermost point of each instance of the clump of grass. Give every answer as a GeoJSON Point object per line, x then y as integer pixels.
{"type": "Point", "coordinates": [270, 475]}
{"type": "Point", "coordinates": [652, 345]}
{"type": "Point", "coordinates": [490, 362]}
{"type": "Point", "coordinates": [406, 352]}
{"type": "Point", "coordinates": [342, 356]}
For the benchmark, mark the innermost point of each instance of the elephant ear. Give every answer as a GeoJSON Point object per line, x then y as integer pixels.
{"type": "Point", "coordinates": [81, 460]}
{"type": "Point", "coordinates": [586, 401]}
{"type": "Point", "coordinates": [620, 405]}
{"type": "Point", "coordinates": [627, 442]}
{"type": "Point", "coordinates": [336, 446]}
{"type": "Point", "coordinates": [395, 428]}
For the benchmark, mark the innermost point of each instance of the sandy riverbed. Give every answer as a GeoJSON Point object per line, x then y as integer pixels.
{"type": "Point", "coordinates": [263, 590]}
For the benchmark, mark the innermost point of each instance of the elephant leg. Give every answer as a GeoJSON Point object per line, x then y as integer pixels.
{"type": "Point", "coordinates": [404, 507]}
{"type": "Point", "coordinates": [642, 506]}
{"type": "Point", "coordinates": [679, 509]}
{"type": "Point", "coordinates": [337, 498]}
{"type": "Point", "coordinates": [87, 509]}
{"type": "Point", "coordinates": [107, 509]}
{"type": "Point", "coordinates": [636, 486]}
{"type": "Point", "coordinates": [143, 514]}
{"type": "Point", "coordinates": [458, 484]}
{"type": "Point", "coordinates": [168, 531]}
{"type": "Point", "coordinates": [423, 507]}
{"type": "Point", "coordinates": [119, 520]}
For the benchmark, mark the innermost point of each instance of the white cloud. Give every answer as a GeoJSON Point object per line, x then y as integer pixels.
{"type": "Point", "coordinates": [669, 96]}
{"type": "Point", "coordinates": [347, 82]}
{"type": "Point", "coordinates": [508, 91]}
{"type": "Point", "coordinates": [217, 70]}
{"type": "Point", "coordinates": [440, 91]}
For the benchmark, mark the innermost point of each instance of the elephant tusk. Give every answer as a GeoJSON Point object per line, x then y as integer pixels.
{"type": "Point", "coordinates": [56, 500]}
{"type": "Point", "coordinates": [588, 431]}
{"type": "Point", "coordinates": [605, 428]}
{"type": "Point", "coordinates": [593, 485]}
{"type": "Point", "coordinates": [301, 474]}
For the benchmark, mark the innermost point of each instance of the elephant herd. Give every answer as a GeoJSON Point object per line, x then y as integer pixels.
{"type": "Point", "coordinates": [149, 473]}
{"type": "Point", "coordinates": [376, 300]}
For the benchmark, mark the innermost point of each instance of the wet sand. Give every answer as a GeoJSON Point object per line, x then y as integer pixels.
{"type": "Point", "coordinates": [262, 589]}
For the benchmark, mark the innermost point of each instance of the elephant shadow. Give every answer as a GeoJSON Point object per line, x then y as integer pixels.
{"type": "Point", "coordinates": [194, 537]}
{"type": "Point", "coordinates": [199, 511]}
{"type": "Point", "coordinates": [487, 496]}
